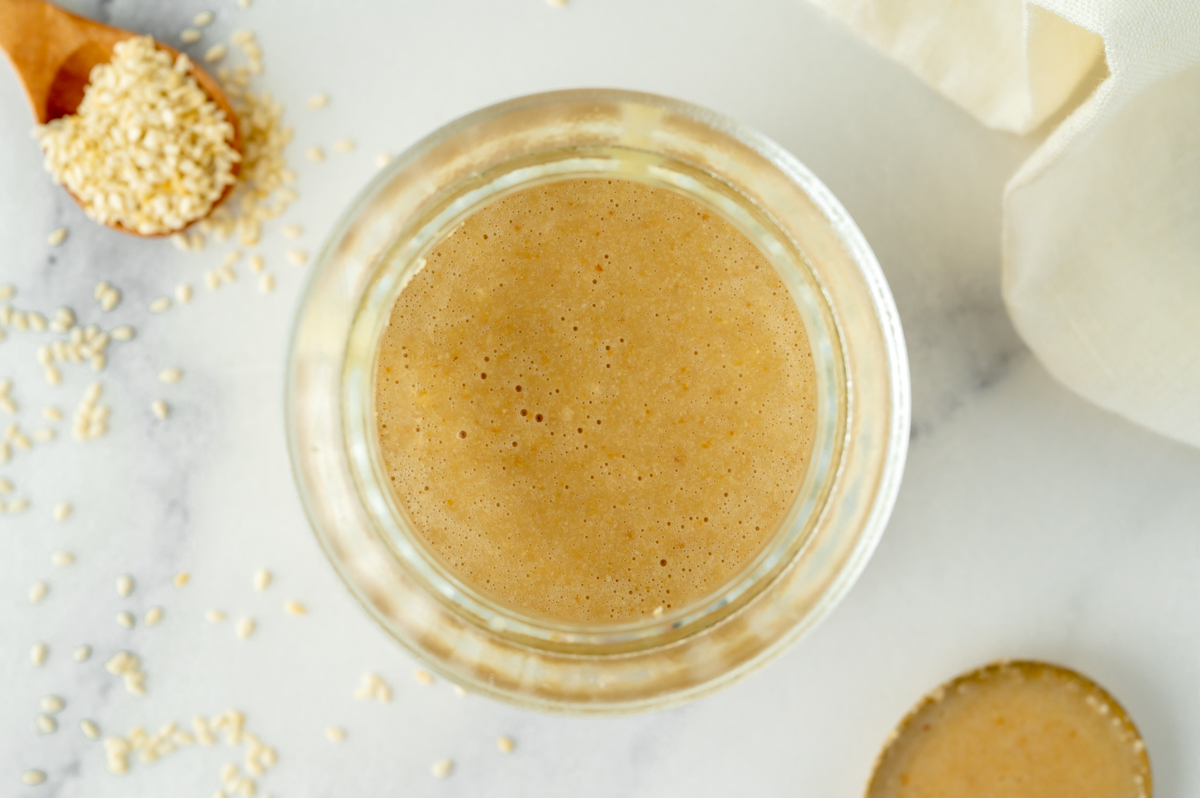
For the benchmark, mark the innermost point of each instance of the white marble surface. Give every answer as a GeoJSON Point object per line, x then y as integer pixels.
{"type": "Point", "coordinates": [1029, 524]}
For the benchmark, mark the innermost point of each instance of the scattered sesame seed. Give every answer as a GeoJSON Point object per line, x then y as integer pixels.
{"type": "Point", "coordinates": [170, 375]}
{"type": "Point", "coordinates": [557, 3]}
{"type": "Point", "coordinates": [243, 4]}
{"type": "Point", "coordinates": [229, 772]}
{"type": "Point", "coordinates": [125, 619]}
{"type": "Point", "coordinates": [226, 273]}
{"type": "Point", "coordinates": [5, 486]}
{"type": "Point", "coordinates": [256, 263]}
{"type": "Point", "coordinates": [61, 559]}
{"type": "Point", "coordinates": [505, 745]}
{"type": "Point", "coordinates": [423, 677]}
{"type": "Point", "coordinates": [57, 236]}
{"type": "Point", "coordinates": [52, 704]}
{"type": "Point", "coordinates": [82, 653]}
{"type": "Point", "coordinates": [37, 591]}
{"type": "Point", "coordinates": [215, 53]}
{"type": "Point", "coordinates": [124, 585]}
{"type": "Point", "coordinates": [460, 691]}
{"type": "Point", "coordinates": [214, 616]}
{"type": "Point", "coordinates": [262, 579]}
{"type": "Point", "coordinates": [37, 654]}
{"type": "Point", "coordinates": [181, 578]}
{"type": "Point", "coordinates": [51, 413]}
{"type": "Point", "coordinates": [90, 729]}
{"type": "Point", "coordinates": [37, 322]}
{"type": "Point", "coordinates": [343, 145]}
{"type": "Point", "coordinates": [245, 628]}
{"type": "Point", "coordinates": [241, 37]}
{"type": "Point", "coordinates": [32, 778]}
{"type": "Point", "coordinates": [315, 154]}
{"type": "Point", "coordinates": [335, 734]}
{"type": "Point", "coordinates": [297, 257]}
{"type": "Point", "coordinates": [382, 160]}
{"type": "Point", "coordinates": [295, 608]}
{"type": "Point", "coordinates": [189, 36]}
{"type": "Point", "coordinates": [53, 375]}
{"type": "Point", "coordinates": [62, 511]}
{"type": "Point", "coordinates": [318, 101]}
{"type": "Point", "coordinates": [160, 409]}
{"type": "Point", "coordinates": [202, 19]}
{"type": "Point", "coordinates": [123, 333]}
{"type": "Point", "coordinates": [160, 305]}
{"type": "Point", "coordinates": [45, 724]}
{"type": "Point", "coordinates": [44, 435]}
{"type": "Point", "coordinates": [212, 280]}
{"type": "Point", "coordinates": [183, 293]}
{"type": "Point", "coordinates": [266, 283]}
{"type": "Point", "coordinates": [7, 291]}
{"type": "Point", "coordinates": [292, 231]}
{"type": "Point", "coordinates": [153, 616]}
{"type": "Point", "coordinates": [442, 768]}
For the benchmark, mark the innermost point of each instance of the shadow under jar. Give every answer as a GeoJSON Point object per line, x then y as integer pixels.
{"type": "Point", "coordinates": [834, 513]}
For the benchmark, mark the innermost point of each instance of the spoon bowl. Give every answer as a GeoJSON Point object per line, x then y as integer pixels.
{"type": "Point", "coordinates": [54, 51]}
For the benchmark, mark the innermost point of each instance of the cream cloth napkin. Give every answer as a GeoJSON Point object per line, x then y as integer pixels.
{"type": "Point", "coordinates": [1102, 224]}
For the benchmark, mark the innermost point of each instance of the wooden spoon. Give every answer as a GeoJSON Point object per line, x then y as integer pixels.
{"type": "Point", "coordinates": [53, 52]}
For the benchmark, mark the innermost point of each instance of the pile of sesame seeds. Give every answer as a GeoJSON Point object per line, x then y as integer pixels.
{"type": "Point", "coordinates": [147, 149]}
{"type": "Point", "coordinates": [264, 193]}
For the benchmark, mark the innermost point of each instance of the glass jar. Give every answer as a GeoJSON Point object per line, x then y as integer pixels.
{"type": "Point", "coordinates": [836, 517]}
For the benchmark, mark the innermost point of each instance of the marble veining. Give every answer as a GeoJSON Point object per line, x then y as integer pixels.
{"type": "Point", "coordinates": [1029, 524]}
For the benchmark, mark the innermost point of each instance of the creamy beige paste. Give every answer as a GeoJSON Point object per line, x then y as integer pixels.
{"type": "Point", "coordinates": [1018, 730]}
{"type": "Point", "coordinates": [596, 399]}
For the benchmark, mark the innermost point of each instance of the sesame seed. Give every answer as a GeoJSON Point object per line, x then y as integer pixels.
{"type": "Point", "coordinates": [202, 19]}
{"type": "Point", "coordinates": [245, 628]}
{"type": "Point", "coordinates": [123, 333]}
{"type": "Point", "coordinates": [18, 505]}
{"type": "Point", "coordinates": [37, 322]}
{"type": "Point", "coordinates": [52, 414]}
{"type": "Point", "coordinates": [189, 36]}
{"type": "Point", "coordinates": [183, 293]}
{"type": "Point", "coordinates": [44, 435]}
{"type": "Point", "coordinates": [382, 160]}
{"type": "Point", "coordinates": [38, 591]}
{"type": "Point", "coordinates": [226, 273]}
{"type": "Point", "coordinates": [52, 704]}
{"type": "Point", "coordinates": [214, 616]}
{"type": "Point", "coordinates": [229, 772]}
{"type": "Point", "coordinates": [256, 263]}
{"type": "Point", "coordinates": [160, 409]}
{"type": "Point", "coordinates": [335, 734]}
{"type": "Point", "coordinates": [442, 768]}
{"type": "Point", "coordinates": [343, 145]}
{"type": "Point", "coordinates": [124, 585]}
{"type": "Point", "coordinates": [153, 616]}
{"type": "Point", "coordinates": [170, 375]}
{"type": "Point", "coordinates": [315, 154]}
{"type": "Point", "coordinates": [557, 3]}
{"type": "Point", "coordinates": [212, 280]}
{"type": "Point", "coordinates": [90, 729]}
{"type": "Point", "coordinates": [45, 724]}
{"type": "Point", "coordinates": [423, 677]}
{"type": "Point", "coordinates": [53, 375]}
{"type": "Point", "coordinates": [297, 257]}
{"type": "Point", "coordinates": [57, 236]}
{"type": "Point", "coordinates": [37, 654]}
{"type": "Point", "coordinates": [160, 305]}
{"type": "Point", "coordinates": [61, 559]}
{"type": "Point", "coordinates": [32, 778]}
{"type": "Point", "coordinates": [82, 653]}
{"type": "Point", "coordinates": [181, 578]}
{"type": "Point", "coordinates": [215, 53]}
{"type": "Point", "coordinates": [262, 579]}
{"type": "Point", "coordinates": [295, 608]}
{"type": "Point", "coordinates": [460, 691]}
{"type": "Point", "coordinates": [125, 619]}
{"type": "Point", "coordinates": [62, 511]}
{"type": "Point", "coordinates": [243, 4]}
{"type": "Point", "coordinates": [7, 291]}
{"type": "Point", "coordinates": [5, 486]}
{"type": "Point", "coordinates": [266, 283]}
{"type": "Point", "coordinates": [505, 745]}
{"type": "Point", "coordinates": [241, 37]}
{"type": "Point", "coordinates": [292, 231]}
{"type": "Point", "coordinates": [318, 101]}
